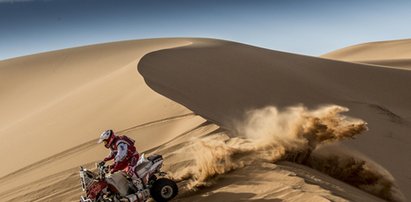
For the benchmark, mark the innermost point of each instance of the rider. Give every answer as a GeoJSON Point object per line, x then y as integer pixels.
{"type": "Point", "coordinates": [124, 153]}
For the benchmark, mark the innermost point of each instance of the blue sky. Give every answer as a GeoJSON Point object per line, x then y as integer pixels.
{"type": "Point", "coordinates": [306, 27]}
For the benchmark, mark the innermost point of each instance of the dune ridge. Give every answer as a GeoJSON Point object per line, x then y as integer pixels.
{"type": "Point", "coordinates": [395, 53]}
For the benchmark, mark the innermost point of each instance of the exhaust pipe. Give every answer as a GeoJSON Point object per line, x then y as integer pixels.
{"type": "Point", "coordinates": [140, 196]}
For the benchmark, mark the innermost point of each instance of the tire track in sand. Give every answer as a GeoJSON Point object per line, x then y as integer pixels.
{"type": "Point", "coordinates": [88, 145]}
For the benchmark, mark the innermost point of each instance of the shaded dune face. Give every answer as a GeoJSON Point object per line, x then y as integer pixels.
{"type": "Point", "coordinates": [234, 77]}
{"type": "Point", "coordinates": [223, 80]}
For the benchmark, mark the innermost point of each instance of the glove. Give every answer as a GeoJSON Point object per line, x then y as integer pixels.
{"type": "Point", "coordinates": [111, 168]}
{"type": "Point", "coordinates": [101, 163]}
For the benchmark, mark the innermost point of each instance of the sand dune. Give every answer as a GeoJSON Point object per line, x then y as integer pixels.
{"type": "Point", "coordinates": [55, 105]}
{"type": "Point", "coordinates": [259, 78]}
{"type": "Point", "coordinates": [395, 53]}
{"type": "Point", "coordinates": [62, 100]}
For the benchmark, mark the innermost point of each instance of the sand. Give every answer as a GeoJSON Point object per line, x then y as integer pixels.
{"type": "Point", "coordinates": [169, 93]}
{"type": "Point", "coordinates": [66, 98]}
{"type": "Point", "coordinates": [395, 53]}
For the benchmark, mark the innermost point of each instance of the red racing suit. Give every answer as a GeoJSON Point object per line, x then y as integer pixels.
{"type": "Point", "coordinates": [124, 153]}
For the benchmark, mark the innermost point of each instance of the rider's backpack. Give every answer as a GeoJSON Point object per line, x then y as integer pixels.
{"type": "Point", "coordinates": [127, 139]}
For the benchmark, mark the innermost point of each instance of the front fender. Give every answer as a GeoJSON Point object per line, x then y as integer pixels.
{"type": "Point", "coordinates": [96, 189]}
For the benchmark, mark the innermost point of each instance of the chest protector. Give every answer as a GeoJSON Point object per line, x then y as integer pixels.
{"type": "Point", "coordinates": [131, 149]}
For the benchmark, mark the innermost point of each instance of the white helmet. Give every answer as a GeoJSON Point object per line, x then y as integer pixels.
{"type": "Point", "coordinates": [107, 137]}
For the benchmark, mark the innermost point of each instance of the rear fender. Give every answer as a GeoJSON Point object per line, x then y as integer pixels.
{"type": "Point", "coordinates": [155, 167]}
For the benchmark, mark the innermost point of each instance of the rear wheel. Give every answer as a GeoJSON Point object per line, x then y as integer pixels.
{"type": "Point", "coordinates": [163, 190]}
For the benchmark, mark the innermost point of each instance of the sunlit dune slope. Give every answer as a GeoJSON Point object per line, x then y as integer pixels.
{"type": "Point", "coordinates": [56, 100]}
{"type": "Point", "coordinates": [395, 53]}
{"type": "Point", "coordinates": [54, 106]}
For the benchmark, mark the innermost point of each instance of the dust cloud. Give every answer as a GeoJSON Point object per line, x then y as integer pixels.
{"type": "Point", "coordinates": [292, 134]}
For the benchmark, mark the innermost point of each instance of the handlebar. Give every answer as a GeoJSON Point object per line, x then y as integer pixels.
{"type": "Point", "coordinates": [102, 169]}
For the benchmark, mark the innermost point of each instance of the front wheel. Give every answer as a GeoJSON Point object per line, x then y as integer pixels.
{"type": "Point", "coordinates": [163, 189]}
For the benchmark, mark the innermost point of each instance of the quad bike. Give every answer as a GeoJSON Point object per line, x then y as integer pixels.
{"type": "Point", "coordinates": [118, 187]}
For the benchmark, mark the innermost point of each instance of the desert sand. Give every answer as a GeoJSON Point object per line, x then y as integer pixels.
{"type": "Point", "coordinates": [395, 53]}
{"type": "Point", "coordinates": [179, 96]}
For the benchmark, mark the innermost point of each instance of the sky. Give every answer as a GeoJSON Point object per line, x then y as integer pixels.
{"type": "Point", "coordinates": [311, 27]}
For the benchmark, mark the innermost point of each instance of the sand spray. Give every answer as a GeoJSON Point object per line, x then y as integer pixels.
{"type": "Point", "coordinates": [295, 134]}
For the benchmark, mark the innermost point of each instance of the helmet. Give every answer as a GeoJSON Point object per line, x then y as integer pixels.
{"type": "Point", "coordinates": [107, 137]}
